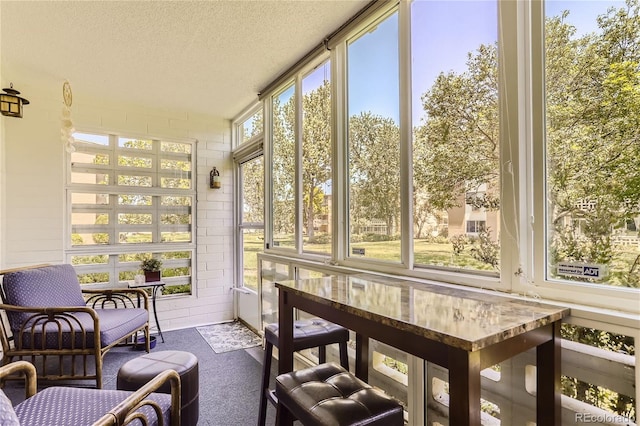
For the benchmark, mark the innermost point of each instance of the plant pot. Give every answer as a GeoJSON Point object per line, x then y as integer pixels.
{"type": "Point", "coordinates": [141, 344]}
{"type": "Point", "coordinates": [150, 276]}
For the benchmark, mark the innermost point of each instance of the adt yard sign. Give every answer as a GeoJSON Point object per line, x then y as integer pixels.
{"type": "Point", "coordinates": [582, 270]}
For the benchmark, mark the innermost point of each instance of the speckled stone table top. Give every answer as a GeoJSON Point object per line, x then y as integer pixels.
{"type": "Point", "coordinates": [466, 319]}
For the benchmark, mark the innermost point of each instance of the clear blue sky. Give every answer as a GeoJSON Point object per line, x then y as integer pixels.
{"type": "Point", "coordinates": [443, 33]}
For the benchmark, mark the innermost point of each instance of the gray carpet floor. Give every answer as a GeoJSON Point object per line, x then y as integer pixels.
{"type": "Point", "coordinates": [229, 382]}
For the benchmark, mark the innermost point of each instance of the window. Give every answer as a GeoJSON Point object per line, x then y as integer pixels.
{"type": "Point", "coordinates": [374, 142]}
{"type": "Point", "coordinates": [250, 128]}
{"type": "Point", "coordinates": [130, 199]}
{"type": "Point", "coordinates": [505, 160]}
{"type": "Point", "coordinates": [284, 168]}
{"type": "Point", "coordinates": [252, 218]}
{"type": "Point", "coordinates": [456, 142]}
{"type": "Point", "coordinates": [316, 160]}
{"type": "Point", "coordinates": [592, 150]}
{"type": "Point", "coordinates": [475, 226]}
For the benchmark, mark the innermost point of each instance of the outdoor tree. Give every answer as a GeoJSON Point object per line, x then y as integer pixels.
{"type": "Point", "coordinates": [316, 151]}
{"type": "Point", "coordinates": [374, 169]}
{"type": "Point", "coordinates": [456, 149]}
{"type": "Point", "coordinates": [283, 166]}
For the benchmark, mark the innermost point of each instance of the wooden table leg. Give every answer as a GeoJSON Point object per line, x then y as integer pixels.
{"type": "Point", "coordinates": [285, 349]}
{"type": "Point", "coordinates": [464, 388]}
{"type": "Point", "coordinates": [549, 390]}
{"type": "Point", "coordinates": [362, 357]}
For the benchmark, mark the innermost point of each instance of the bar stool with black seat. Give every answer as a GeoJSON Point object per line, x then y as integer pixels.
{"type": "Point", "coordinates": [328, 395]}
{"type": "Point", "coordinates": [307, 334]}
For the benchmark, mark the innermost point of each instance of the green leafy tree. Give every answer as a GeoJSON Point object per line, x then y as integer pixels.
{"type": "Point", "coordinates": [374, 170]}
{"type": "Point", "coordinates": [316, 152]}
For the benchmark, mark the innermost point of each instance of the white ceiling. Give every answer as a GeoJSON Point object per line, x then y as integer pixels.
{"type": "Point", "coordinates": [209, 57]}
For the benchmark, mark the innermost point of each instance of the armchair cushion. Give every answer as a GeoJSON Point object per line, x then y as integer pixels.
{"type": "Point", "coordinates": [7, 414]}
{"type": "Point", "coordinates": [114, 325]}
{"type": "Point", "coordinates": [25, 288]}
{"type": "Point", "coordinates": [80, 406]}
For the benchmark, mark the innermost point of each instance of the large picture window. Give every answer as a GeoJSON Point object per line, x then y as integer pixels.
{"type": "Point", "coordinates": [316, 160]}
{"type": "Point", "coordinates": [374, 142]}
{"type": "Point", "coordinates": [131, 199]}
{"type": "Point", "coordinates": [592, 74]}
{"type": "Point", "coordinates": [284, 167]}
{"type": "Point", "coordinates": [456, 135]}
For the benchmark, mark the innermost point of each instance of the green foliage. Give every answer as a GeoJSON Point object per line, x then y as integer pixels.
{"type": "Point", "coordinates": [459, 242]}
{"type": "Point", "coordinates": [592, 394]}
{"type": "Point", "coordinates": [151, 264]}
{"type": "Point", "coordinates": [177, 289]}
{"type": "Point", "coordinates": [486, 250]}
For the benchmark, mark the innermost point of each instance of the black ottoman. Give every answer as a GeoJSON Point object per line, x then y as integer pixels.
{"type": "Point", "coordinates": [328, 395]}
{"type": "Point", "coordinates": [135, 373]}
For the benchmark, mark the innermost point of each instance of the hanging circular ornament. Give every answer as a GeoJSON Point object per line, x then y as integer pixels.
{"type": "Point", "coordinates": [66, 94]}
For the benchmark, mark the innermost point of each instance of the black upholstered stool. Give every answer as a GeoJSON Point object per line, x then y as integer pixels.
{"type": "Point", "coordinates": [328, 395]}
{"type": "Point", "coordinates": [313, 333]}
{"type": "Point", "coordinates": [136, 372]}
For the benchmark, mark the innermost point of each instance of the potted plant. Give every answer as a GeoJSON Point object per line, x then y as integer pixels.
{"type": "Point", "coordinates": [151, 269]}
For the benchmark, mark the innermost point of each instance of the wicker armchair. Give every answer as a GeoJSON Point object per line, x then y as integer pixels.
{"type": "Point", "coordinates": [60, 328]}
{"type": "Point", "coordinates": [97, 407]}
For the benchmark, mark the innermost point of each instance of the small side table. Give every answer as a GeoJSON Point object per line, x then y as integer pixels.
{"type": "Point", "coordinates": [155, 286]}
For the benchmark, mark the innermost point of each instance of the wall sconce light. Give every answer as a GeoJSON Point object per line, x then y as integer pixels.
{"type": "Point", "coordinates": [10, 103]}
{"type": "Point", "coordinates": [214, 179]}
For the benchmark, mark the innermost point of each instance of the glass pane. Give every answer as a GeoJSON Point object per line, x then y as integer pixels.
{"type": "Point", "coordinates": [284, 169]}
{"type": "Point", "coordinates": [78, 157]}
{"type": "Point", "coordinates": [134, 200]}
{"type": "Point", "coordinates": [127, 180]}
{"type": "Point", "coordinates": [90, 260]}
{"type": "Point", "coordinates": [135, 237]}
{"type": "Point", "coordinates": [316, 160]}
{"type": "Point", "coordinates": [456, 197]}
{"type": "Point", "coordinates": [175, 219]}
{"type": "Point", "coordinates": [271, 272]}
{"type": "Point", "coordinates": [89, 198]}
{"type": "Point", "coordinates": [89, 218]}
{"type": "Point", "coordinates": [252, 175]}
{"type": "Point", "coordinates": [252, 244]}
{"type": "Point", "coordinates": [91, 139]}
{"type": "Point", "coordinates": [183, 148]}
{"type": "Point", "coordinates": [135, 143]}
{"type": "Point", "coordinates": [176, 183]}
{"type": "Point", "coordinates": [129, 161]}
{"type": "Point", "coordinates": [251, 127]}
{"type": "Point", "coordinates": [175, 237]}
{"type": "Point", "coordinates": [90, 178]}
{"type": "Point", "coordinates": [179, 165]}
{"type": "Point", "coordinates": [175, 201]}
{"type": "Point", "coordinates": [133, 258]}
{"type": "Point", "coordinates": [135, 218]}
{"type": "Point", "coordinates": [592, 51]}
{"type": "Point", "coordinates": [374, 142]}
{"type": "Point", "coordinates": [89, 239]}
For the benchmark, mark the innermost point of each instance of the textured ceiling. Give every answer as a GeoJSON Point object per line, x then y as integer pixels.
{"type": "Point", "coordinates": [209, 57]}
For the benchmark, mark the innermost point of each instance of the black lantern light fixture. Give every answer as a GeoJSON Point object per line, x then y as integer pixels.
{"type": "Point", "coordinates": [214, 179]}
{"type": "Point", "coordinates": [10, 103]}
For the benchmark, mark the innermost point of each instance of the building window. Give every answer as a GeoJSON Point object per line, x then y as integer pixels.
{"type": "Point", "coordinates": [130, 199]}
{"type": "Point", "coordinates": [475, 226]}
